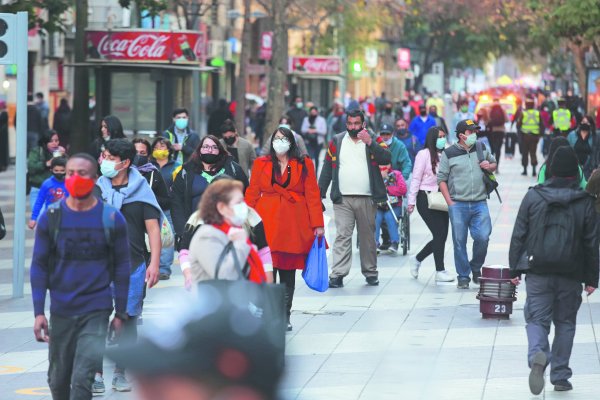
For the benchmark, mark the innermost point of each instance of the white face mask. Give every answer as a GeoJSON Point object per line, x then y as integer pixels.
{"type": "Point", "coordinates": [281, 146]}
{"type": "Point", "coordinates": [240, 214]}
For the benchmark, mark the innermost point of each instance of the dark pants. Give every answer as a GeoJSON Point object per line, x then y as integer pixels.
{"type": "Point", "coordinates": [437, 222]}
{"type": "Point", "coordinates": [496, 139]}
{"type": "Point", "coordinates": [76, 347]}
{"type": "Point", "coordinates": [546, 144]}
{"type": "Point", "coordinates": [552, 299]}
{"type": "Point", "coordinates": [127, 337]}
{"type": "Point", "coordinates": [288, 278]}
{"type": "Point", "coordinates": [530, 143]}
{"type": "Point", "coordinates": [510, 143]}
{"type": "Point", "coordinates": [314, 150]}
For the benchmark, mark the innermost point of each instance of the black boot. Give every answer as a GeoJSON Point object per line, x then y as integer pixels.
{"type": "Point", "coordinates": [534, 173]}
{"type": "Point", "coordinates": [289, 298]}
{"type": "Point", "coordinates": [524, 173]}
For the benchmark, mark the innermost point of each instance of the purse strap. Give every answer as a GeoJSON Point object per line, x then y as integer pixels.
{"type": "Point", "coordinates": [236, 262]}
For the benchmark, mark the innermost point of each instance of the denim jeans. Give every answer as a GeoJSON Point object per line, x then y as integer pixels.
{"type": "Point", "coordinates": [392, 225]}
{"type": "Point", "coordinates": [33, 195]}
{"type": "Point", "coordinates": [167, 254]}
{"type": "Point", "coordinates": [472, 216]}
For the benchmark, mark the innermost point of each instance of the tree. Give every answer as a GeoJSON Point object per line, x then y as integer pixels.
{"type": "Point", "coordinates": [80, 137]}
{"type": "Point", "coordinates": [240, 88]}
{"type": "Point", "coordinates": [152, 7]}
{"type": "Point", "coordinates": [51, 21]}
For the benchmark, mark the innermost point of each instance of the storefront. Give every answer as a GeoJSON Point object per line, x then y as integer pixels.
{"type": "Point", "coordinates": [315, 78]}
{"type": "Point", "coordinates": [140, 76]}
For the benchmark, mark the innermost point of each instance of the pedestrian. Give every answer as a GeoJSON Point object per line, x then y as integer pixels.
{"type": "Point", "coordinates": [163, 158]}
{"type": "Point", "coordinates": [151, 173]}
{"type": "Point", "coordinates": [460, 177]}
{"type": "Point", "coordinates": [314, 131]}
{"type": "Point", "coordinates": [557, 262]}
{"type": "Point", "coordinates": [423, 182]}
{"type": "Point", "coordinates": [496, 128]}
{"type": "Point", "coordinates": [39, 163]}
{"type": "Point", "coordinates": [410, 141]}
{"type": "Point", "coordinates": [586, 145]}
{"type": "Point", "coordinates": [110, 128]}
{"type": "Point", "coordinates": [242, 150]}
{"type": "Point", "coordinates": [182, 137]}
{"type": "Point", "coordinates": [561, 119]}
{"type": "Point", "coordinates": [208, 161]}
{"type": "Point", "coordinates": [62, 122]}
{"type": "Point", "coordinates": [337, 121]}
{"type": "Point", "coordinates": [386, 116]}
{"type": "Point", "coordinates": [124, 188]}
{"type": "Point", "coordinates": [285, 193]}
{"type": "Point", "coordinates": [218, 117]}
{"type": "Point", "coordinates": [546, 172]}
{"type": "Point", "coordinates": [35, 124]}
{"type": "Point", "coordinates": [420, 124]}
{"type": "Point", "coordinates": [545, 116]}
{"type": "Point", "coordinates": [4, 153]}
{"type": "Point", "coordinates": [440, 122]}
{"type": "Point", "coordinates": [42, 106]}
{"type": "Point", "coordinates": [400, 157]}
{"type": "Point", "coordinates": [390, 211]}
{"type": "Point", "coordinates": [297, 113]}
{"type": "Point", "coordinates": [436, 101]}
{"type": "Point", "coordinates": [52, 190]}
{"type": "Point", "coordinates": [462, 114]}
{"type": "Point", "coordinates": [531, 126]}
{"type": "Point", "coordinates": [285, 122]}
{"type": "Point", "coordinates": [84, 269]}
{"type": "Point", "coordinates": [351, 168]}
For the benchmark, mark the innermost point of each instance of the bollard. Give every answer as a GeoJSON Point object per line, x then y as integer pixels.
{"type": "Point", "coordinates": [496, 292]}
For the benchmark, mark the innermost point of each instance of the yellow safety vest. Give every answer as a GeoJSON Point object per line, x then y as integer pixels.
{"type": "Point", "coordinates": [562, 119]}
{"type": "Point", "coordinates": [531, 122]}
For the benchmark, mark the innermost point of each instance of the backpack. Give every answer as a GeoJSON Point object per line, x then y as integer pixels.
{"type": "Point", "coordinates": [489, 179]}
{"type": "Point", "coordinates": [54, 213]}
{"type": "Point", "coordinates": [553, 243]}
{"type": "Point", "coordinates": [496, 116]}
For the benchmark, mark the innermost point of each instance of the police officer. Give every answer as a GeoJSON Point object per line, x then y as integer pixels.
{"type": "Point", "coordinates": [531, 126]}
{"type": "Point", "coordinates": [561, 119]}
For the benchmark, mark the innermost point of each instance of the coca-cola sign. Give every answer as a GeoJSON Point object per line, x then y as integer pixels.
{"type": "Point", "coordinates": [149, 46]}
{"type": "Point", "coordinates": [315, 65]}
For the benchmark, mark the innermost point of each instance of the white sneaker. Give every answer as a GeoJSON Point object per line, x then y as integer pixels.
{"type": "Point", "coordinates": [443, 276]}
{"type": "Point", "coordinates": [414, 266]}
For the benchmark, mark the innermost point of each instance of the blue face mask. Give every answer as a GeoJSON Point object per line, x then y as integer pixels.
{"type": "Point", "coordinates": [440, 143]}
{"type": "Point", "coordinates": [181, 123]}
{"type": "Point", "coordinates": [471, 139]}
{"type": "Point", "coordinates": [108, 168]}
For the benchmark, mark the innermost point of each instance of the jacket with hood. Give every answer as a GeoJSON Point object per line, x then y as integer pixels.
{"type": "Point", "coordinates": [584, 267]}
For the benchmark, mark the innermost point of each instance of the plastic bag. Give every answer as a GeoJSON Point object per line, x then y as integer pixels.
{"type": "Point", "coordinates": [316, 271]}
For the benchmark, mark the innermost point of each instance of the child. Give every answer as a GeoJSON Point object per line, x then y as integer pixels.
{"type": "Point", "coordinates": [52, 190]}
{"type": "Point", "coordinates": [396, 188]}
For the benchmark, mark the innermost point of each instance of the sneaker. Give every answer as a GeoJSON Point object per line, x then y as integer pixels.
{"type": "Point", "coordinates": [336, 282]}
{"type": "Point", "coordinates": [98, 385]}
{"type": "Point", "coordinates": [443, 276]}
{"type": "Point", "coordinates": [536, 376]}
{"type": "Point", "coordinates": [563, 386]}
{"type": "Point", "coordinates": [383, 247]}
{"type": "Point", "coordinates": [289, 327]}
{"type": "Point", "coordinates": [120, 383]}
{"type": "Point", "coordinates": [462, 284]}
{"type": "Point", "coordinates": [372, 281]}
{"type": "Point", "coordinates": [414, 267]}
{"type": "Point", "coordinates": [476, 276]}
{"type": "Point", "coordinates": [164, 277]}
{"type": "Point", "coordinates": [393, 248]}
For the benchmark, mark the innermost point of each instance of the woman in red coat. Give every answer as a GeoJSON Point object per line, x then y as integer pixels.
{"type": "Point", "coordinates": [284, 191]}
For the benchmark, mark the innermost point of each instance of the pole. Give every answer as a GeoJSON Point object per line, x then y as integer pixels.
{"type": "Point", "coordinates": [196, 94]}
{"type": "Point", "coordinates": [21, 157]}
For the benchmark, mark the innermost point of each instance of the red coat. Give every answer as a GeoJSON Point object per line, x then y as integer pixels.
{"type": "Point", "coordinates": [290, 214]}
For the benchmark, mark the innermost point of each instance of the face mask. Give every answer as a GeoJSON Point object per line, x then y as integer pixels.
{"type": "Point", "coordinates": [433, 113]}
{"type": "Point", "coordinates": [139, 160]}
{"type": "Point", "coordinates": [585, 127]}
{"type": "Point", "coordinates": [440, 143]}
{"type": "Point", "coordinates": [79, 187]}
{"type": "Point", "coordinates": [59, 176]}
{"type": "Point", "coordinates": [299, 104]}
{"type": "Point", "coordinates": [401, 132]}
{"type": "Point", "coordinates": [423, 113]}
{"type": "Point", "coordinates": [281, 146]}
{"type": "Point", "coordinates": [389, 141]}
{"type": "Point", "coordinates": [108, 168]}
{"type": "Point", "coordinates": [106, 138]}
{"type": "Point", "coordinates": [210, 158]}
{"type": "Point", "coordinates": [464, 109]}
{"type": "Point", "coordinates": [160, 154]}
{"type": "Point", "coordinates": [240, 214]}
{"type": "Point", "coordinates": [471, 139]}
{"type": "Point", "coordinates": [181, 123]}
{"type": "Point", "coordinates": [229, 140]}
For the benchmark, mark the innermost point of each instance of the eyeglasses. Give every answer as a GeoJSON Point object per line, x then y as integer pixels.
{"type": "Point", "coordinates": [211, 148]}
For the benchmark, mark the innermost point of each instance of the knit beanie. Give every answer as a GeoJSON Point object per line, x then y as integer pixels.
{"type": "Point", "coordinates": [564, 164]}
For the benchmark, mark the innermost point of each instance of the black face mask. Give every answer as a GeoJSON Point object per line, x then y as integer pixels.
{"type": "Point", "coordinates": [59, 177]}
{"type": "Point", "coordinates": [229, 140]}
{"type": "Point", "coordinates": [585, 127]}
{"type": "Point", "coordinates": [423, 113]}
{"type": "Point", "coordinates": [139, 160]}
{"type": "Point", "coordinates": [401, 132]}
{"type": "Point", "coordinates": [210, 158]}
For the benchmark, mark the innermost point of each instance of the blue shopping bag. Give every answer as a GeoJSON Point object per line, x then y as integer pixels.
{"type": "Point", "coordinates": [316, 271]}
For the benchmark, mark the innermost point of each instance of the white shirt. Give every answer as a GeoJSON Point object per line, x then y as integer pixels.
{"type": "Point", "coordinates": [354, 168]}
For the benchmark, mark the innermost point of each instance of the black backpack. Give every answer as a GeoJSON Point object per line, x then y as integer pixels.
{"type": "Point", "coordinates": [553, 243]}
{"type": "Point", "coordinates": [489, 179]}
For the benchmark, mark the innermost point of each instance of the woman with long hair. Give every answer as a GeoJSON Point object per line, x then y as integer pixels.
{"type": "Point", "coordinates": [39, 162]}
{"type": "Point", "coordinates": [110, 128]}
{"type": "Point", "coordinates": [424, 181]}
{"type": "Point", "coordinates": [284, 191]}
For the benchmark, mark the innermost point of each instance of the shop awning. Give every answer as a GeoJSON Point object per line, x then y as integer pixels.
{"type": "Point", "coordinates": [179, 67]}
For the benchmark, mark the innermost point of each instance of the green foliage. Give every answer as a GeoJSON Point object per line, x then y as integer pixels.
{"type": "Point", "coordinates": [54, 12]}
{"type": "Point", "coordinates": [154, 7]}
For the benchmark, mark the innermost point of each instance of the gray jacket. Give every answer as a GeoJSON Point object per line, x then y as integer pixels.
{"type": "Point", "coordinates": [459, 168]}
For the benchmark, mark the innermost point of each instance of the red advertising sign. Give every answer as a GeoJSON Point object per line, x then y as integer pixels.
{"type": "Point", "coordinates": [266, 45]}
{"type": "Point", "coordinates": [404, 58]}
{"type": "Point", "coordinates": [315, 65]}
{"type": "Point", "coordinates": [146, 46]}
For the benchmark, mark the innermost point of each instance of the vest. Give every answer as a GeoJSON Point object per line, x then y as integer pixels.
{"type": "Point", "coordinates": [531, 122]}
{"type": "Point", "coordinates": [562, 119]}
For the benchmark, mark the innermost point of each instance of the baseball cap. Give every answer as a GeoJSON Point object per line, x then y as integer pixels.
{"type": "Point", "coordinates": [466, 124]}
{"type": "Point", "coordinates": [213, 333]}
{"type": "Point", "coordinates": [386, 128]}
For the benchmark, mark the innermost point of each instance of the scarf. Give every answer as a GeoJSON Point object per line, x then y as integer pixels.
{"type": "Point", "coordinates": [257, 271]}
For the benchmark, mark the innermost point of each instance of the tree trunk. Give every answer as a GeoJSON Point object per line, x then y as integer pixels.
{"type": "Point", "coordinates": [579, 60]}
{"type": "Point", "coordinates": [279, 66]}
{"type": "Point", "coordinates": [242, 79]}
{"type": "Point", "coordinates": [80, 138]}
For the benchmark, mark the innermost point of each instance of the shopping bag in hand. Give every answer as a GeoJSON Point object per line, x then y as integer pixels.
{"type": "Point", "coordinates": [316, 269]}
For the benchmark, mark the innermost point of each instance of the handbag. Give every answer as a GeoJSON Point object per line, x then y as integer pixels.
{"type": "Point", "coordinates": [436, 201]}
{"type": "Point", "coordinates": [315, 272]}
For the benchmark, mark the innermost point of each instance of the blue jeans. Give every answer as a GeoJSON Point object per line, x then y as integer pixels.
{"type": "Point", "coordinates": [167, 254]}
{"type": "Point", "coordinates": [392, 225]}
{"type": "Point", "coordinates": [472, 216]}
{"type": "Point", "coordinates": [33, 195]}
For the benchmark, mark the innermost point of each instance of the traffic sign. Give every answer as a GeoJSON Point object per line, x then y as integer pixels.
{"type": "Point", "coordinates": [8, 48]}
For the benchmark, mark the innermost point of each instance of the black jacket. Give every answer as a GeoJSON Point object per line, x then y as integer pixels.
{"type": "Point", "coordinates": [181, 196]}
{"type": "Point", "coordinates": [565, 191]}
{"type": "Point", "coordinates": [159, 187]}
